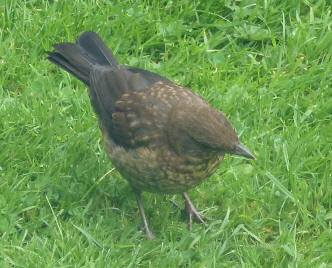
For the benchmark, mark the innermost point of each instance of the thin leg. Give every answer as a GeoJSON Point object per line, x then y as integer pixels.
{"type": "Point", "coordinates": [191, 210]}
{"type": "Point", "coordinates": [149, 234]}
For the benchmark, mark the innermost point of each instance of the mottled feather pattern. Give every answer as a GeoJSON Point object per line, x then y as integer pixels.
{"type": "Point", "coordinates": [143, 114]}
{"type": "Point", "coordinates": [159, 170]}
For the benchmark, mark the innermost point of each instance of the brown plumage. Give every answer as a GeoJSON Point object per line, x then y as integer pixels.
{"type": "Point", "coordinates": [162, 137]}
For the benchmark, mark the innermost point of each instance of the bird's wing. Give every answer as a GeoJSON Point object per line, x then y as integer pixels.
{"type": "Point", "coordinates": [131, 104]}
{"type": "Point", "coordinates": [139, 119]}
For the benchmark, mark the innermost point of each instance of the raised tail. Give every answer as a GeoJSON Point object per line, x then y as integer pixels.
{"type": "Point", "coordinates": [79, 58]}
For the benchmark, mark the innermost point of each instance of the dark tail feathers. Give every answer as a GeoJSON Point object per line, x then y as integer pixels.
{"type": "Point", "coordinates": [78, 58]}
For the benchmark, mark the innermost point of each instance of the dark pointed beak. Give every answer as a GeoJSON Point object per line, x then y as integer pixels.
{"type": "Point", "coordinates": [241, 150]}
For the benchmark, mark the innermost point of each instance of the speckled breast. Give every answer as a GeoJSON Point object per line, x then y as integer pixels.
{"type": "Point", "coordinates": [160, 170]}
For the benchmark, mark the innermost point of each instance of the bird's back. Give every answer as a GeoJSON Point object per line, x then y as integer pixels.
{"type": "Point", "coordinates": [132, 104]}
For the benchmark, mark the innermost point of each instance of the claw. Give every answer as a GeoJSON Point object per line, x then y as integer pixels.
{"type": "Point", "coordinates": [192, 212]}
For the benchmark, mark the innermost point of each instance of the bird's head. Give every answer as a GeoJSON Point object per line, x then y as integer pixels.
{"type": "Point", "coordinates": [202, 128]}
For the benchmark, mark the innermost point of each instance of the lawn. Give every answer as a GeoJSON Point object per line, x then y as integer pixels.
{"type": "Point", "coordinates": [266, 64]}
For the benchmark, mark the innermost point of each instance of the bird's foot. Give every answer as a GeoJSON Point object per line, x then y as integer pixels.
{"type": "Point", "coordinates": [191, 211]}
{"type": "Point", "coordinates": [147, 231]}
{"type": "Point", "coordinates": [149, 234]}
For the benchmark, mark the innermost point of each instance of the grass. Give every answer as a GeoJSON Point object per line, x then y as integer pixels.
{"type": "Point", "coordinates": [267, 65]}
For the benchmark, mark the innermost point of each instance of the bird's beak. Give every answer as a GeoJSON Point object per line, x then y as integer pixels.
{"type": "Point", "coordinates": [241, 150]}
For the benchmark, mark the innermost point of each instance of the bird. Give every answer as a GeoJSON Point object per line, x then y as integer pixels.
{"type": "Point", "coordinates": [160, 136]}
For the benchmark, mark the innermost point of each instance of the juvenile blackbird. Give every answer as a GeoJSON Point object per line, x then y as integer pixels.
{"type": "Point", "coordinates": [161, 137]}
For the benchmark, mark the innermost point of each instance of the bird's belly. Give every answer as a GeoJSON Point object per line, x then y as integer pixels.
{"type": "Point", "coordinates": [154, 171]}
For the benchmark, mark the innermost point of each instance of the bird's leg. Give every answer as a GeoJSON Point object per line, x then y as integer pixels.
{"type": "Point", "coordinates": [191, 210]}
{"type": "Point", "coordinates": [149, 234]}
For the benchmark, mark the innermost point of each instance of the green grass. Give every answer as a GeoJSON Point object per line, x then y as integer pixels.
{"type": "Point", "coordinates": [267, 66]}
